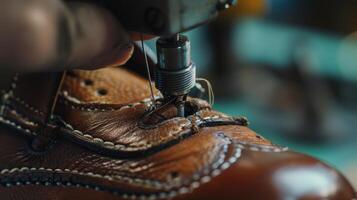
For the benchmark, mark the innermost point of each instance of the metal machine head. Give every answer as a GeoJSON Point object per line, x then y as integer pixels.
{"type": "Point", "coordinates": [175, 74]}
{"type": "Point", "coordinates": [165, 17]}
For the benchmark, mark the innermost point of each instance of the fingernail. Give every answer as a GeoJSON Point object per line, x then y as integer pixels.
{"type": "Point", "coordinates": [123, 56]}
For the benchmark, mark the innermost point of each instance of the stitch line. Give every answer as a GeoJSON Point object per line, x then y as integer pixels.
{"type": "Point", "coordinates": [197, 181]}
{"type": "Point", "coordinates": [110, 144]}
{"type": "Point", "coordinates": [76, 172]}
{"type": "Point", "coordinates": [76, 104]}
{"type": "Point", "coordinates": [17, 126]}
{"type": "Point", "coordinates": [10, 94]}
{"type": "Point", "coordinates": [91, 108]}
{"type": "Point", "coordinates": [7, 94]}
{"type": "Point", "coordinates": [28, 106]}
{"type": "Point", "coordinates": [96, 140]}
{"type": "Point", "coordinates": [13, 84]}
{"type": "Point", "coordinates": [141, 182]}
{"type": "Point", "coordinates": [224, 120]}
{"type": "Point", "coordinates": [23, 117]}
{"type": "Point", "coordinates": [261, 148]}
{"type": "Point", "coordinates": [75, 100]}
{"type": "Point", "coordinates": [61, 183]}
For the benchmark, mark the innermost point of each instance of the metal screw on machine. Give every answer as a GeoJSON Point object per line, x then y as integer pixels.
{"type": "Point", "coordinates": [224, 4]}
{"type": "Point", "coordinates": [175, 74]}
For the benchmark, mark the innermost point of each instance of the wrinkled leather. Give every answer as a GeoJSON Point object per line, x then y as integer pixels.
{"type": "Point", "coordinates": [100, 145]}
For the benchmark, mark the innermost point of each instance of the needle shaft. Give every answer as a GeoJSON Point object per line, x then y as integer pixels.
{"type": "Point", "coordinates": [148, 71]}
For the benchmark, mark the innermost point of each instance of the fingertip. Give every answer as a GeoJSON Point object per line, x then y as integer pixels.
{"type": "Point", "coordinates": [100, 40]}
{"type": "Point", "coordinates": [119, 56]}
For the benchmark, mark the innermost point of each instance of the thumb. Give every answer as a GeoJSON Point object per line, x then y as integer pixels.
{"type": "Point", "coordinates": [38, 35]}
{"type": "Point", "coordinates": [97, 38]}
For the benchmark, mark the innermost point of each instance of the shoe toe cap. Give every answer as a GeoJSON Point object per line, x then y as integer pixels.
{"type": "Point", "coordinates": [276, 175]}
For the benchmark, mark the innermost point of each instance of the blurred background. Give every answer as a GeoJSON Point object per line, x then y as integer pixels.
{"type": "Point", "coordinates": [291, 68]}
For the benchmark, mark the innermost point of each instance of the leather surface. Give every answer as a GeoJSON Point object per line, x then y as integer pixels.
{"type": "Point", "coordinates": [101, 145]}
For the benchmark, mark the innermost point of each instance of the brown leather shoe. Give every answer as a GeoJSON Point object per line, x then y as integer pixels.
{"type": "Point", "coordinates": [86, 136]}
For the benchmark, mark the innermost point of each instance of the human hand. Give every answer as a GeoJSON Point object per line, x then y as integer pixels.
{"type": "Point", "coordinates": [53, 35]}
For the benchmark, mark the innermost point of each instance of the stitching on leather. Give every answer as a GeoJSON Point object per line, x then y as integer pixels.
{"type": "Point", "coordinates": [96, 108]}
{"type": "Point", "coordinates": [24, 118]}
{"type": "Point", "coordinates": [160, 195]}
{"type": "Point", "coordinates": [76, 104]}
{"type": "Point", "coordinates": [198, 120]}
{"type": "Point", "coordinates": [7, 94]}
{"type": "Point", "coordinates": [74, 172]}
{"type": "Point", "coordinates": [261, 148]}
{"type": "Point", "coordinates": [28, 106]}
{"type": "Point", "coordinates": [17, 126]}
{"type": "Point", "coordinates": [13, 84]}
{"type": "Point", "coordinates": [195, 183]}
{"type": "Point", "coordinates": [211, 117]}
{"type": "Point", "coordinates": [110, 144]}
{"type": "Point", "coordinates": [140, 182]}
{"type": "Point", "coordinates": [10, 94]}
{"type": "Point", "coordinates": [70, 98]}
{"type": "Point", "coordinates": [96, 140]}
{"type": "Point", "coordinates": [242, 145]}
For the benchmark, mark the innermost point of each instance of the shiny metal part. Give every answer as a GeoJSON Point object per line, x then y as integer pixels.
{"type": "Point", "coordinates": [180, 106]}
{"type": "Point", "coordinates": [175, 74]}
{"type": "Point", "coordinates": [164, 17]}
{"type": "Point", "coordinates": [153, 103]}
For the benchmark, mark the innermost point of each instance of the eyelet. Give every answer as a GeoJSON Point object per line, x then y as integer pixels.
{"type": "Point", "coordinates": [88, 82]}
{"type": "Point", "coordinates": [102, 92]}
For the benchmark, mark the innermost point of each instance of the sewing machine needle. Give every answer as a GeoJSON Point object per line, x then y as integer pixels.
{"type": "Point", "coordinates": [148, 72]}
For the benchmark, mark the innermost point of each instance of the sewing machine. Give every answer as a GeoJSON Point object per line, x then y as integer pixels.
{"type": "Point", "coordinates": [175, 73]}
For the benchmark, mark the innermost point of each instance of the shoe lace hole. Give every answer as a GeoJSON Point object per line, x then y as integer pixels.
{"type": "Point", "coordinates": [174, 174]}
{"type": "Point", "coordinates": [102, 92]}
{"type": "Point", "coordinates": [88, 82]}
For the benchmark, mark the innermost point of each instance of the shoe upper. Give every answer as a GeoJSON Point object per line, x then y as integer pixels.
{"type": "Point", "coordinates": [91, 135]}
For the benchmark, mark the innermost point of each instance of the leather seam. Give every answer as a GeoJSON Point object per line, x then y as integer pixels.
{"type": "Point", "coordinates": [110, 144]}
{"type": "Point", "coordinates": [73, 172]}
{"type": "Point", "coordinates": [261, 148]}
{"type": "Point", "coordinates": [7, 94]}
{"type": "Point", "coordinates": [170, 193]}
{"type": "Point", "coordinates": [107, 144]}
{"type": "Point", "coordinates": [175, 191]}
{"type": "Point", "coordinates": [19, 100]}
{"type": "Point", "coordinates": [242, 145]}
{"type": "Point", "coordinates": [13, 84]}
{"type": "Point", "coordinates": [93, 140]}
{"type": "Point", "coordinates": [28, 106]}
{"type": "Point", "coordinates": [17, 126]}
{"type": "Point", "coordinates": [140, 182]}
{"type": "Point", "coordinates": [76, 104]}
{"type": "Point", "coordinates": [23, 117]}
